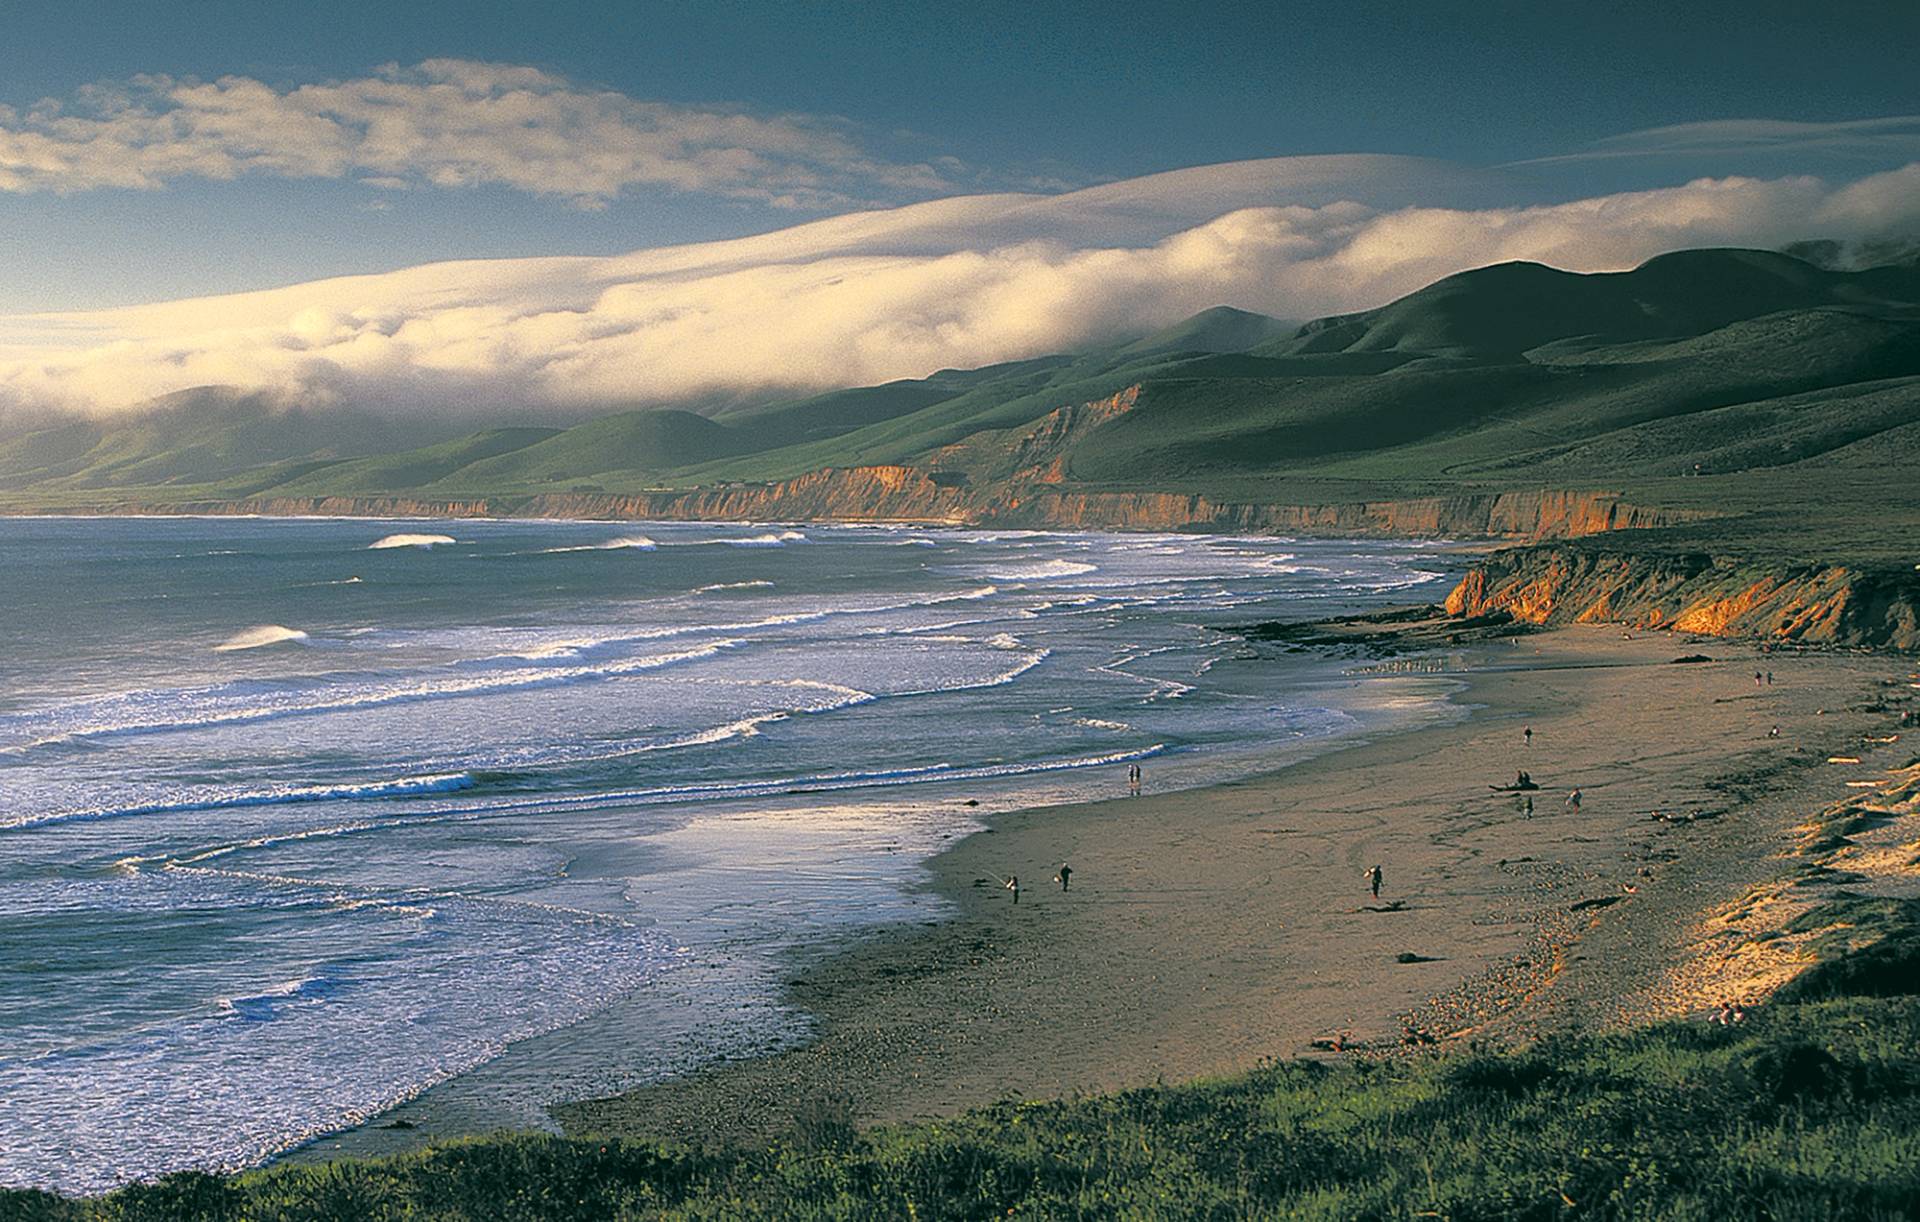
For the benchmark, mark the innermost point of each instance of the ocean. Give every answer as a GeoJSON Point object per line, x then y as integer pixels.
{"type": "Point", "coordinates": [302, 818]}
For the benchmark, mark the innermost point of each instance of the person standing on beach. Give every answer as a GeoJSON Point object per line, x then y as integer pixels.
{"type": "Point", "coordinates": [1526, 736]}
{"type": "Point", "coordinates": [1013, 884]}
{"type": "Point", "coordinates": [1373, 877]}
{"type": "Point", "coordinates": [1065, 875]}
{"type": "Point", "coordinates": [1529, 806]}
{"type": "Point", "coordinates": [1573, 800]}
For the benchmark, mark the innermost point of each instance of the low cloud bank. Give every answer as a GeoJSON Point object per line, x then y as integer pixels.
{"type": "Point", "coordinates": [874, 296]}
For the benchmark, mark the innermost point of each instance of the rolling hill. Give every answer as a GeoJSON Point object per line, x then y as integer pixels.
{"type": "Point", "coordinates": [1747, 385]}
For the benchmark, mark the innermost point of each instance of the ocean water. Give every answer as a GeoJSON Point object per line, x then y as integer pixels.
{"type": "Point", "coordinates": [302, 818]}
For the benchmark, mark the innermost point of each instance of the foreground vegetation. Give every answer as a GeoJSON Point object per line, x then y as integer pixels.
{"type": "Point", "coordinates": [1807, 1110]}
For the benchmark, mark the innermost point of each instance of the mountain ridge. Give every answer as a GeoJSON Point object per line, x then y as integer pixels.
{"type": "Point", "coordinates": [1723, 384]}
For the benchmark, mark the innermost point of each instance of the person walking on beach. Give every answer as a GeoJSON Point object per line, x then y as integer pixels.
{"type": "Point", "coordinates": [1526, 736]}
{"type": "Point", "coordinates": [1373, 877]}
{"type": "Point", "coordinates": [1758, 678]}
{"type": "Point", "coordinates": [1065, 875]}
{"type": "Point", "coordinates": [1134, 776]}
{"type": "Point", "coordinates": [1528, 808]}
{"type": "Point", "coordinates": [1573, 800]}
{"type": "Point", "coordinates": [1013, 884]}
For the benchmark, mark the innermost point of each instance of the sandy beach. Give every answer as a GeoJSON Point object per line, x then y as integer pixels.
{"type": "Point", "coordinates": [1208, 930]}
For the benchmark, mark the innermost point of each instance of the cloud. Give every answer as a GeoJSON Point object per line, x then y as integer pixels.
{"type": "Point", "coordinates": [877, 295]}
{"type": "Point", "coordinates": [1895, 138]}
{"type": "Point", "coordinates": [445, 123]}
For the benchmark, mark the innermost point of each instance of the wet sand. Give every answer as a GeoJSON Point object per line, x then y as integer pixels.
{"type": "Point", "coordinates": [1210, 929]}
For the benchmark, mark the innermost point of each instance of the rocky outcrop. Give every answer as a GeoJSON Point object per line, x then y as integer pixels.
{"type": "Point", "coordinates": [1716, 596]}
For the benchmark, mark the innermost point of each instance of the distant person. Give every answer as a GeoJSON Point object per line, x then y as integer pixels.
{"type": "Point", "coordinates": [1065, 876]}
{"type": "Point", "coordinates": [1774, 733]}
{"type": "Point", "coordinates": [1528, 808]}
{"type": "Point", "coordinates": [1133, 779]}
{"type": "Point", "coordinates": [1013, 884]}
{"type": "Point", "coordinates": [1526, 736]}
{"type": "Point", "coordinates": [1373, 877]}
{"type": "Point", "coordinates": [1758, 678]}
{"type": "Point", "coordinates": [1573, 800]}
{"type": "Point", "coordinates": [1769, 678]}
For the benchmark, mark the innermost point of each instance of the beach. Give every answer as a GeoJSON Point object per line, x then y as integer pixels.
{"type": "Point", "coordinates": [1209, 930]}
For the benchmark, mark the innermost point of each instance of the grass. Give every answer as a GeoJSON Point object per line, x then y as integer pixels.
{"type": "Point", "coordinates": [1805, 1111]}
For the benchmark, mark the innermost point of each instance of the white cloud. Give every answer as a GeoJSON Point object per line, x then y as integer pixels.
{"type": "Point", "coordinates": [872, 296]}
{"type": "Point", "coordinates": [443, 123]}
{"type": "Point", "coordinates": [1895, 137]}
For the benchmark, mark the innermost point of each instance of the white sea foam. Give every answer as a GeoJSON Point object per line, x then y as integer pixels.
{"type": "Point", "coordinates": [733, 585]}
{"type": "Point", "coordinates": [768, 540]}
{"type": "Point", "coordinates": [1042, 570]}
{"type": "Point", "coordinates": [624, 543]}
{"type": "Point", "coordinates": [402, 787]}
{"type": "Point", "coordinates": [240, 703]}
{"type": "Point", "coordinates": [454, 982]}
{"type": "Point", "coordinates": [408, 540]}
{"type": "Point", "coordinates": [256, 638]}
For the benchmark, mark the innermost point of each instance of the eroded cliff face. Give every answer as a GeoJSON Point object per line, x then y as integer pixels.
{"type": "Point", "coordinates": [1716, 596]}
{"type": "Point", "coordinates": [1012, 477]}
{"type": "Point", "coordinates": [911, 494]}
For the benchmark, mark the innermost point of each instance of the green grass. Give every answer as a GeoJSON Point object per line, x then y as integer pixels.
{"type": "Point", "coordinates": [1807, 1111]}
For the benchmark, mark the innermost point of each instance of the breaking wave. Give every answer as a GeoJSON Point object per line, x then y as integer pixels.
{"type": "Point", "coordinates": [624, 543]}
{"type": "Point", "coordinates": [733, 585]}
{"type": "Point", "coordinates": [408, 540]}
{"type": "Point", "coordinates": [1039, 571]}
{"type": "Point", "coordinates": [257, 638]}
{"type": "Point", "coordinates": [403, 787]}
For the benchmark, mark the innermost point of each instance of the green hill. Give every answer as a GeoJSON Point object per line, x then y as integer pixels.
{"type": "Point", "coordinates": [639, 443]}
{"type": "Point", "coordinates": [193, 437]}
{"type": "Point", "coordinates": [1220, 329]}
{"type": "Point", "coordinates": [1736, 382]}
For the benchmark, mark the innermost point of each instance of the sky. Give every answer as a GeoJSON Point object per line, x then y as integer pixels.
{"type": "Point", "coordinates": [683, 197]}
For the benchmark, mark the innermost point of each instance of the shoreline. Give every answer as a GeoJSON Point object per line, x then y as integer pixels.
{"type": "Point", "coordinates": [1210, 930]}
{"type": "Point", "coordinates": [1405, 702]}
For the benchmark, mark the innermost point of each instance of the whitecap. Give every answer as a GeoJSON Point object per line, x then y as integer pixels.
{"type": "Point", "coordinates": [265, 634]}
{"type": "Point", "coordinates": [733, 585]}
{"type": "Point", "coordinates": [1040, 571]}
{"type": "Point", "coordinates": [408, 540]}
{"type": "Point", "coordinates": [624, 543]}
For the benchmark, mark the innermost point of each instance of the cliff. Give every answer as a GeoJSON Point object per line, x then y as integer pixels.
{"type": "Point", "coordinates": [1018, 476]}
{"type": "Point", "coordinates": [910, 494]}
{"type": "Point", "coordinates": [1716, 596]}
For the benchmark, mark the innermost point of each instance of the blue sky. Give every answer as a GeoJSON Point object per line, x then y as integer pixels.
{"type": "Point", "coordinates": [999, 95]}
{"type": "Point", "coordinates": [504, 210]}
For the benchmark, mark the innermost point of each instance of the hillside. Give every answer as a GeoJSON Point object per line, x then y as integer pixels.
{"type": "Point", "coordinates": [1774, 398]}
